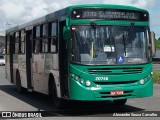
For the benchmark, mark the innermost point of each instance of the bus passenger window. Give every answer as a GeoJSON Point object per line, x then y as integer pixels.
{"type": "Point", "coordinates": [53, 44]}
{"type": "Point", "coordinates": [45, 30]}
{"type": "Point", "coordinates": [45, 45]}
{"type": "Point", "coordinates": [53, 39]}
{"type": "Point", "coordinates": [12, 38]}
{"type": "Point", "coordinates": [7, 44]}
{"type": "Point", "coordinates": [45, 38]}
{"type": "Point", "coordinates": [54, 29]}
{"type": "Point", "coordinates": [22, 50]}
{"type": "Point", "coordinates": [17, 42]}
{"type": "Point", "coordinates": [37, 46]}
{"type": "Point", "coordinates": [37, 31]}
{"type": "Point", "coordinates": [37, 40]}
{"type": "Point", "coordinates": [22, 47]}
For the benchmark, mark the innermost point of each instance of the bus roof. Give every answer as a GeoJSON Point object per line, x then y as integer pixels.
{"type": "Point", "coordinates": [65, 12]}
{"type": "Point", "coordinates": [105, 6]}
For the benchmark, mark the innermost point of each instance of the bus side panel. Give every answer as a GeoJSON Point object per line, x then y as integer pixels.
{"type": "Point", "coordinates": [52, 67]}
{"type": "Point", "coordinates": [37, 82]}
{"type": "Point", "coordinates": [23, 79]}
{"type": "Point", "coordinates": [22, 70]}
{"type": "Point", "coordinates": [14, 75]}
{"type": "Point", "coordinates": [43, 65]}
{"type": "Point", "coordinates": [45, 78]}
{"type": "Point", "coordinates": [8, 77]}
{"type": "Point", "coordinates": [15, 67]}
{"type": "Point", "coordinates": [56, 73]}
{"type": "Point", "coordinates": [7, 65]}
{"type": "Point", "coordinates": [38, 72]}
{"type": "Point", "coordinates": [41, 83]}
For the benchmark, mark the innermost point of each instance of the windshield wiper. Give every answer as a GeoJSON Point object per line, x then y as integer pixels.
{"type": "Point", "coordinates": [125, 38]}
{"type": "Point", "coordinates": [124, 42]}
{"type": "Point", "coordinates": [131, 30]}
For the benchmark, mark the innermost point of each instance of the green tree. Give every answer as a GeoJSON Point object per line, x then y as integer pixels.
{"type": "Point", "coordinates": [158, 44]}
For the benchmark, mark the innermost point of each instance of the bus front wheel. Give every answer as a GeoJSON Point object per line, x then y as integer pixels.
{"type": "Point", "coordinates": [57, 102]}
{"type": "Point", "coordinates": [120, 102]}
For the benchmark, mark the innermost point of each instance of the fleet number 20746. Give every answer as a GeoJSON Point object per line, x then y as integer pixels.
{"type": "Point", "coordinates": [101, 78]}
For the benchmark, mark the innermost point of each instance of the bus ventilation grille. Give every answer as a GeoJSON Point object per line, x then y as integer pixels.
{"type": "Point", "coordinates": [115, 71]}
{"type": "Point", "coordinates": [116, 83]}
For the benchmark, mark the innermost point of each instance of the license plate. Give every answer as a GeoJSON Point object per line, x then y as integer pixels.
{"type": "Point", "coordinates": [116, 92]}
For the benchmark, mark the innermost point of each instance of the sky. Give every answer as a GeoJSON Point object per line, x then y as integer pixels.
{"type": "Point", "coordinates": [16, 12]}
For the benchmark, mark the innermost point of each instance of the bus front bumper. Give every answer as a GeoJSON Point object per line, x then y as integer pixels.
{"type": "Point", "coordinates": [100, 93]}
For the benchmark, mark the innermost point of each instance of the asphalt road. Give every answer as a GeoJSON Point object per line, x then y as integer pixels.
{"type": "Point", "coordinates": [10, 100]}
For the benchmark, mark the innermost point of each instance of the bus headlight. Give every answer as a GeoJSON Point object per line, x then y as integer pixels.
{"type": "Point", "coordinates": [142, 81]}
{"type": "Point", "coordinates": [81, 80]}
{"type": "Point", "coordinates": [88, 83]}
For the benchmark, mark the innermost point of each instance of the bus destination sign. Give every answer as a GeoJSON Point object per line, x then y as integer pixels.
{"type": "Point", "coordinates": [110, 14]}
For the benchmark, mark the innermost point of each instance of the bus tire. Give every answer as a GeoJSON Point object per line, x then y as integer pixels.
{"type": "Point", "coordinates": [20, 89]}
{"type": "Point", "coordinates": [56, 100]}
{"type": "Point", "coordinates": [120, 102]}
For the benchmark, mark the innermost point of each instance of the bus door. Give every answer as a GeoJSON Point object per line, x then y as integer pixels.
{"type": "Point", "coordinates": [11, 51]}
{"type": "Point", "coordinates": [29, 58]}
{"type": "Point", "coordinates": [63, 61]}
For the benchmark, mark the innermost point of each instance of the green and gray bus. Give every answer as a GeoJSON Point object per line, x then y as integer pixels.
{"type": "Point", "coordinates": [84, 52]}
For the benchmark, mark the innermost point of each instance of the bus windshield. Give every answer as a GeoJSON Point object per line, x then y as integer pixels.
{"type": "Point", "coordinates": [109, 45]}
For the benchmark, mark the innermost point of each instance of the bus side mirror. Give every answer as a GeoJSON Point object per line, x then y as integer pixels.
{"type": "Point", "coordinates": [66, 33]}
{"type": "Point", "coordinates": [153, 45]}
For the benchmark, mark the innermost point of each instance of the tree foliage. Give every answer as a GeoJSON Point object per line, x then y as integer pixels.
{"type": "Point", "coordinates": [158, 44]}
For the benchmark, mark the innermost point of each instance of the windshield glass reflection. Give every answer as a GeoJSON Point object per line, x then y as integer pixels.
{"type": "Point", "coordinates": [107, 45]}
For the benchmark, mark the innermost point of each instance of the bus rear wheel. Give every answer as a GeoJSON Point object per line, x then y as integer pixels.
{"type": "Point", "coordinates": [120, 102]}
{"type": "Point", "coordinates": [20, 89]}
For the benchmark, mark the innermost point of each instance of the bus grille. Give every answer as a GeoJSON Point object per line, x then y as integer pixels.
{"type": "Point", "coordinates": [116, 83]}
{"type": "Point", "coordinates": [115, 71]}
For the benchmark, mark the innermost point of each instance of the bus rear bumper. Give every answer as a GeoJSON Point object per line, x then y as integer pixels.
{"type": "Point", "coordinates": [83, 93]}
